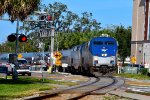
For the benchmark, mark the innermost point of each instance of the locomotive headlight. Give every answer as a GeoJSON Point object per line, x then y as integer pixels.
{"type": "Point", "coordinates": [104, 55]}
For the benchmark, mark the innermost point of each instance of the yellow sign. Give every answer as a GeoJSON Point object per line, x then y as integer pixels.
{"type": "Point", "coordinates": [58, 62]}
{"type": "Point", "coordinates": [58, 57]}
{"type": "Point", "coordinates": [20, 55]}
{"type": "Point", "coordinates": [133, 60]}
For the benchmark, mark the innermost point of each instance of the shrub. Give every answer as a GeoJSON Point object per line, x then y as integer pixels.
{"type": "Point", "coordinates": [144, 71]}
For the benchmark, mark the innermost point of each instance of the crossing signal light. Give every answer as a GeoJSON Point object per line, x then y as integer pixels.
{"type": "Point", "coordinates": [42, 17]}
{"type": "Point", "coordinates": [49, 18]}
{"type": "Point", "coordinates": [22, 38]}
{"type": "Point", "coordinates": [11, 38]}
{"type": "Point", "coordinates": [45, 17]}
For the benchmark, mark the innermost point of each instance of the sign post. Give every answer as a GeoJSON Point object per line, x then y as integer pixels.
{"type": "Point", "coordinates": [52, 43]}
{"type": "Point", "coordinates": [133, 60]}
{"type": "Point", "coordinates": [64, 66]}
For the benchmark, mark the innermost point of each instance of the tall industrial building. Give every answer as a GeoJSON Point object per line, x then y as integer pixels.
{"type": "Point", "coordinates": [140, 42]}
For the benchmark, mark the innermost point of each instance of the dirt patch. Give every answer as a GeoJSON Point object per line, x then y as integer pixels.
{"type": "Point", "coordinates": [75, 78]}
{"type": "Point", "coordinates": [137, 83]}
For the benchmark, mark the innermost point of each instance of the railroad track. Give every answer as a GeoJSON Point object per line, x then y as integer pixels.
{"type": "Point", "coordinates": [97, 85]}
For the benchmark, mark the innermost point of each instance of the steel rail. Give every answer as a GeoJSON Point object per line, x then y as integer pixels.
{"type": "Point", "coordinates": [56, 93]}
{"type": "Point", "coordinates": [110, 81]}
{"type": "Point", "coordinates": [91, 92]}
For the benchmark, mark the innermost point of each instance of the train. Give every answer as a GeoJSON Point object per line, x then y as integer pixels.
{"type": "Point", "coordinates": [97, 55]}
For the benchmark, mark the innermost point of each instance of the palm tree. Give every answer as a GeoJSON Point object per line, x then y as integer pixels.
{"type": "Point", "coordinates": [18, 9]}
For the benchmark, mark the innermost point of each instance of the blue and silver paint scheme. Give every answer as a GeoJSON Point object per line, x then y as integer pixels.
{"type": "Point", "coordinates": [104, 51]}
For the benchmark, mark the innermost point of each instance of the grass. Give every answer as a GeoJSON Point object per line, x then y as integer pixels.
{"type": "Point", "coordinates": [135, 76]}
{"type": "Point", "coordinates": [26, 86]}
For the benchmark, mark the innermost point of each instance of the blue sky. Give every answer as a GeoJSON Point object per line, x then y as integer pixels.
{"type": "Point", "coordinates": [107, 12]}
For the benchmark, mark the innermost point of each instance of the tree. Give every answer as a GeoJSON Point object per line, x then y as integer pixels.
{"type": "Point", "coordinates": [86, 23]}
{"type": "Point", "coordinates": [123, 37]}
{"type": "Point", "coordinates": [18, 9]}
{"type": "Point", "coordinates": [66, 21]}
{"type": "Point", "coordinates": [57, 10]}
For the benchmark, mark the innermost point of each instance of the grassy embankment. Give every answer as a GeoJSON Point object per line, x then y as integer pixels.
{"type": "Point", "coordinates": [135, 76]}
{"type": "Point", "coordinates": [26, 86]}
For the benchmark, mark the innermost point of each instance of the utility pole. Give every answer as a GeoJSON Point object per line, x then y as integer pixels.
{"type": "Point", "coordinates": [17, 30]}
{"type": "Point", "coordinates": [52, 42]}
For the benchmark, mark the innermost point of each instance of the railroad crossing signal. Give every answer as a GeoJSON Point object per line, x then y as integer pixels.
{"type": "Point", "coordinates": [45, 17]}
{"type": "Point", "coordinates": [21, 38]}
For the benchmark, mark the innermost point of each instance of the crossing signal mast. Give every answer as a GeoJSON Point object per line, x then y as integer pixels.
{"type": "Point", "coordinates": [48, 29]}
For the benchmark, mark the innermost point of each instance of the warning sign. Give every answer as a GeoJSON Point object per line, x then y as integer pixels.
{"type": "Point", "coordinates": [20, 55]}
{"type": "Point", "coordinates": [133, 59]}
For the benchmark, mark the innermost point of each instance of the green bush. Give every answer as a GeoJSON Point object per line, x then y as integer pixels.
{"type": "Point", "coordinates": [144, 71]}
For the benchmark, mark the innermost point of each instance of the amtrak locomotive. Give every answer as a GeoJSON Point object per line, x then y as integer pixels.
{"type": "Point", "coordinates": [97, 55]}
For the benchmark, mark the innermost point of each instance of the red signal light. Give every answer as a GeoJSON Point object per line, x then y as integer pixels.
{"type": "Point", "coordinates": [49, 18]}
{"type": "Point", "coordinates": [22, 38]}
{"type": "Point", "coordinates": [11, 38]}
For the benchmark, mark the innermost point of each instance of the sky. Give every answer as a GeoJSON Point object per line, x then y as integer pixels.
{"type": "Point", "coordinates": [107, 12]}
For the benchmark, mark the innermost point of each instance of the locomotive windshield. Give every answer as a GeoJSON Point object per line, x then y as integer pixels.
{"type": "Point", "coordinates": [109, 43]}
{"type": "Point", "coordinates": [101, 43]}
{"type": "Point", "coordinates": [97, 42]}
{"type": "Point", "coordinates": [103, 46]}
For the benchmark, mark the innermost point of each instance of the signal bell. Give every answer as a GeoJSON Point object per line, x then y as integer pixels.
{"type": "Point", "coordinates": [22, 38]}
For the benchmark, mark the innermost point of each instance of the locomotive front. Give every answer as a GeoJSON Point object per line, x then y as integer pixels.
{"type": "Point", "coordinates": [104, 53]}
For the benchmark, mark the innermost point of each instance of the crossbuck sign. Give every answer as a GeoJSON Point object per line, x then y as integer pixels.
{"type": "Point", "coordinates": [45, 32]}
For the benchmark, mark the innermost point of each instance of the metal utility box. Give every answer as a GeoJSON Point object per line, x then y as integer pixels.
{"type": "Point", "coordinates": [131, 70]}
{"type": "Point", "coordinates": [12, 58]}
